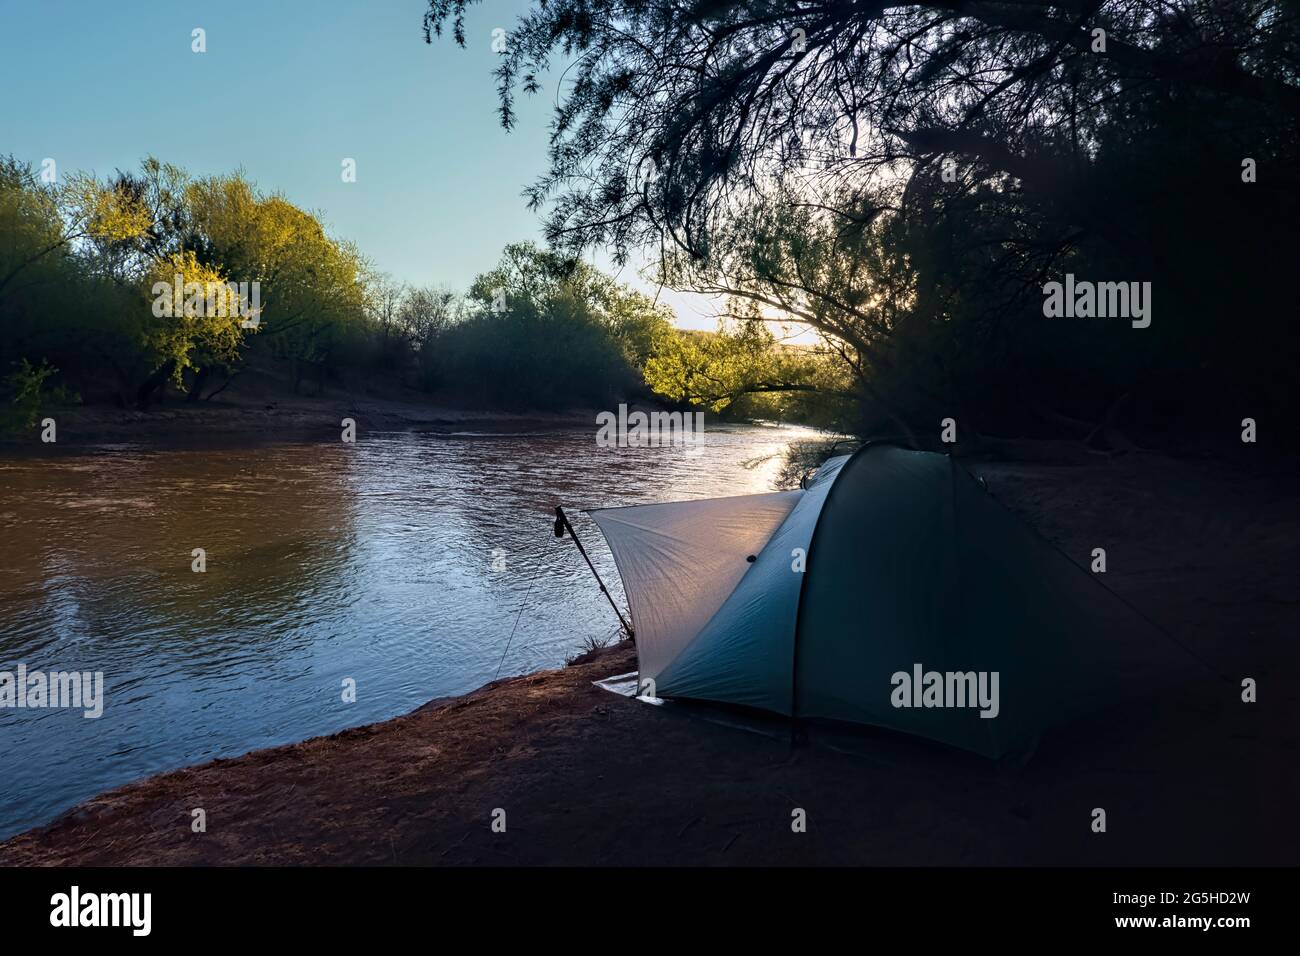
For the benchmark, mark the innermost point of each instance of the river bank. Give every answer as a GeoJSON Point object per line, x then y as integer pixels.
{"type": "Point", "coordinates": [272, 418]}
{"type": "Point", "coordinates": [587, 777]}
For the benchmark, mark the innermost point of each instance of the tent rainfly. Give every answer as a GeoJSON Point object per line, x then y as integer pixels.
{"type": "Point", "coordinates": [893, 591]}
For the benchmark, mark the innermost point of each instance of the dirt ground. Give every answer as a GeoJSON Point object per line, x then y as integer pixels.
{"type": "Point", "coordinates": [587, 777]}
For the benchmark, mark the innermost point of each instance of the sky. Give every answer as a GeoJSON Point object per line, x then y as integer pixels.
{"type": "Point", "coordinates": [287, 90]}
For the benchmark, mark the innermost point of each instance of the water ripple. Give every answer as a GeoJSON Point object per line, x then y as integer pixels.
{"type": "Point", "coordinates": [401, 562]}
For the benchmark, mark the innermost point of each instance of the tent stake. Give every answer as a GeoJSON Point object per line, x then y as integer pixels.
{"type": "Point", "coordinates": [561, 523]}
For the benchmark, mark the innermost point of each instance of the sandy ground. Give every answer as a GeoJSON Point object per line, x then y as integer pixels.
{"type": "Point", "coordinates": [587, 777]}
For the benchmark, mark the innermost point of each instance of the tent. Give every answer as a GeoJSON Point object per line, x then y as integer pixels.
{"type": "Point", "coordinates": [892, 590]}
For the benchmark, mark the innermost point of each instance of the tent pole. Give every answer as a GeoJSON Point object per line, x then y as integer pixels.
{"type": "Point", "coordinates": [561, 524]}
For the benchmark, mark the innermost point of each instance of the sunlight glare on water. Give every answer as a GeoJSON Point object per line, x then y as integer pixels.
{"type": "Point", "coordinates": [372, 561]}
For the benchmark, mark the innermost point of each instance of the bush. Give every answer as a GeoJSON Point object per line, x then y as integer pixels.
{"type": "Point", "coordinates": [552, 357]}
{"type": "Point", "coordinates": [27, 393]}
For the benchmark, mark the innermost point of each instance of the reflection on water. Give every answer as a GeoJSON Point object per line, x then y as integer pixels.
{"type": "Point", "coordinates": [371, 561]}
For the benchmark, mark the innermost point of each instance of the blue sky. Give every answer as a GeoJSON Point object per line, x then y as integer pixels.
{"type": "Point", "coordinates": [287, 90]}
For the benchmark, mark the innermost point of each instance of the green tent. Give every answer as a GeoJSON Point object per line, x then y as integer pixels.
{"type": "Point", "coordinates": [893, 591]}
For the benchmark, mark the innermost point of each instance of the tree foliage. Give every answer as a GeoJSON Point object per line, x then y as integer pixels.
{"type": "Point", "coordinates": [550, 331]}
{"type": "Point", "coordinates": [906, 176]}
{"type": "Point", "coordinates": [143, 284]}
{"type": "Point", "coordinates": [82, 263]}
{"type": "Point", "coordinates": [742, 370]}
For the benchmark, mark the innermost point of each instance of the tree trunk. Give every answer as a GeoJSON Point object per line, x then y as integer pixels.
{"type": "Point", "coordinates": [144, 395]}
{"type": "Point", "coordinates": [196, 387]}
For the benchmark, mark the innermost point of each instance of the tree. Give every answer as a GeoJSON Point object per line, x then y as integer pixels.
{"type": "Point", "coordinates": [949, 156]}
{"type": "Point", "coordinates": [743, 369]}
{"type": "Point", "coordinates": [41, 224]}
{"type": "Point", "coordinates": [197, 320]}
{"type": "Point", "coordinates": [425, 313]}
{"type": "Point", "coordinates": [544, 331]}
{"type": "Point", "coordinates": [72, 260]}
{"type": "Point", "coordinates": [533, 277]}
{"type": "Point", "coordinates": [384, 298]}
{"type": "Point", "coordinates": [312, 287]}
{"type": "Point", "coordinates": [674, 105]}
{"type": "Point", "coordinates": [79, 263]}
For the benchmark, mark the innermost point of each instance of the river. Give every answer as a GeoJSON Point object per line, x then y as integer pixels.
{"type": "Point", "coordinates": [403, 562]}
